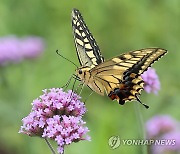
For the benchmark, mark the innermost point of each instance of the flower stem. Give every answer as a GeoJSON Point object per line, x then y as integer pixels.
{"type": "Point", "coordinates": [50, 146]}
{"type": "Point", "coordinates": [140, 121]}
{"type": "Point", "coordinates": [63, 151]}
{"type": "Point", "coordinates": [3, 78]}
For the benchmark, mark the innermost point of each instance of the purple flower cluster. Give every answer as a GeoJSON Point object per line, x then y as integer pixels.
{"type": "Point", "coordinates": [164, 127]}
{"type": "Point", "coordinates": [14, 49]}
{"type": "Point", "coordinates": [57, 115]}
{"type": "Point", "coordinates": [160, 125]}
{"type": "Point", "coordinates": [151, 80]}
{"type": "Point", "coordinates": [173, 148]}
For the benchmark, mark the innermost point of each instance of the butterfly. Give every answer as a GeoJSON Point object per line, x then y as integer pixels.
{"type": "Point", "coordinates": [118, 77]}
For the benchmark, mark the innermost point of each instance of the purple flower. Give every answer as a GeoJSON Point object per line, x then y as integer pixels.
{"type": "Point", "coordinates": [14, 49]}
{"type": "Point", "coordinates": [171, 144]}
{"type": "Point", "coordinates": [9, 50]}
{"type": "Point", "coordinates": [151, 80]}
{"type": "Point", "coordinates": [159, 125]}
{"type": "Point", "coordinates": [57, 115]}
{"type": "Point", "coordinates": [165, 132]}
{"type": "Point", "coordinates": [32, 47]}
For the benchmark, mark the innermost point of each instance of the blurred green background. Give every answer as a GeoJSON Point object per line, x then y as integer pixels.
{"type": "Point", "coordinates": [118, 26]}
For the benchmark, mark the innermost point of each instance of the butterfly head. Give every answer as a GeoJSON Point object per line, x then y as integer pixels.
{"type": "Point", "coordinates": [83, 73]}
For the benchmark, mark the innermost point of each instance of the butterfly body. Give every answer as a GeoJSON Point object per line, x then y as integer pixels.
{"type": "Point", "coordinates": [88, 79]}
{"type": "Point", "coordinates": [118, 77]}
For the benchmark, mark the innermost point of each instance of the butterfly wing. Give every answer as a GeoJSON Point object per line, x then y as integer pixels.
{"type": "Point", "coordinates": [87, 49]}
{"type": "Point", "coordinates": [121, 76]}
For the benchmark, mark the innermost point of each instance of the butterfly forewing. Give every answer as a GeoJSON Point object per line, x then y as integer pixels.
{"type": "Point", "coordinates": [144, 58]}
{"type": "Point", "coordinates": [87, 49]}
{"type": "Point", "coordinates": [136, 61]}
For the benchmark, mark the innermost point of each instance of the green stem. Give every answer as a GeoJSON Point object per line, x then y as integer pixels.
{"type": "Point", "coordinates": [3, 79]}
{"type": "Point", "coordinates": [50, 146]}
{"type": "Point", "coordinates": [140, 121]}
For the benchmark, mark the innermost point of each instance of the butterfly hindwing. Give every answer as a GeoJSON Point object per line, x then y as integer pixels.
{"type": "Point", "coordinates": [121, 76]}
{"type": "Point", "coordinates": [87, 49]}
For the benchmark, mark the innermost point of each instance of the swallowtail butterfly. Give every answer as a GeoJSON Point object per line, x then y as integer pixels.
{"type": "Point", "coordinates": [118, 77]}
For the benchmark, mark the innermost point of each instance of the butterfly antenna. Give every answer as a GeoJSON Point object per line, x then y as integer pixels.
{"type": "Point", "coordinates": [146, 106]}
{"type": "Point", "coordinates": [57, 51]}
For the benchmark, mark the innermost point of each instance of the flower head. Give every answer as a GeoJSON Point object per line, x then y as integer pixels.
{"type": "Point", "coordinates": [165, 130]}
{"type": "Point", "coordinates": [159, 125]}
{"type": "Point", "coordinates": [151, 80]}
{"type": "Point", "coordinates": [32, 47]}
{"type": "Point", "coordinates": [57, 115]}
{"type": "Point", "coordinates": [172, 144]}
{"type": "Point", "coordinates": [14, 49]}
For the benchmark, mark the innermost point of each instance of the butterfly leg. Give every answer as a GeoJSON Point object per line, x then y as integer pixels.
{"type": "Point", "coordinates": [68, 82]}
{"type": "Point", "coordinates": [82, 86]}
{"type": "Point", "coordinates": [88, 96]}
{"type": "Point", "coordinates": [79, 86]}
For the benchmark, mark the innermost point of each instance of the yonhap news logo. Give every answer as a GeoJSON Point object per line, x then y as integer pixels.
{"type": "Point", "coordinates": [115, 141]}
{"type": "Point", "coordinates": [148, 142]}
